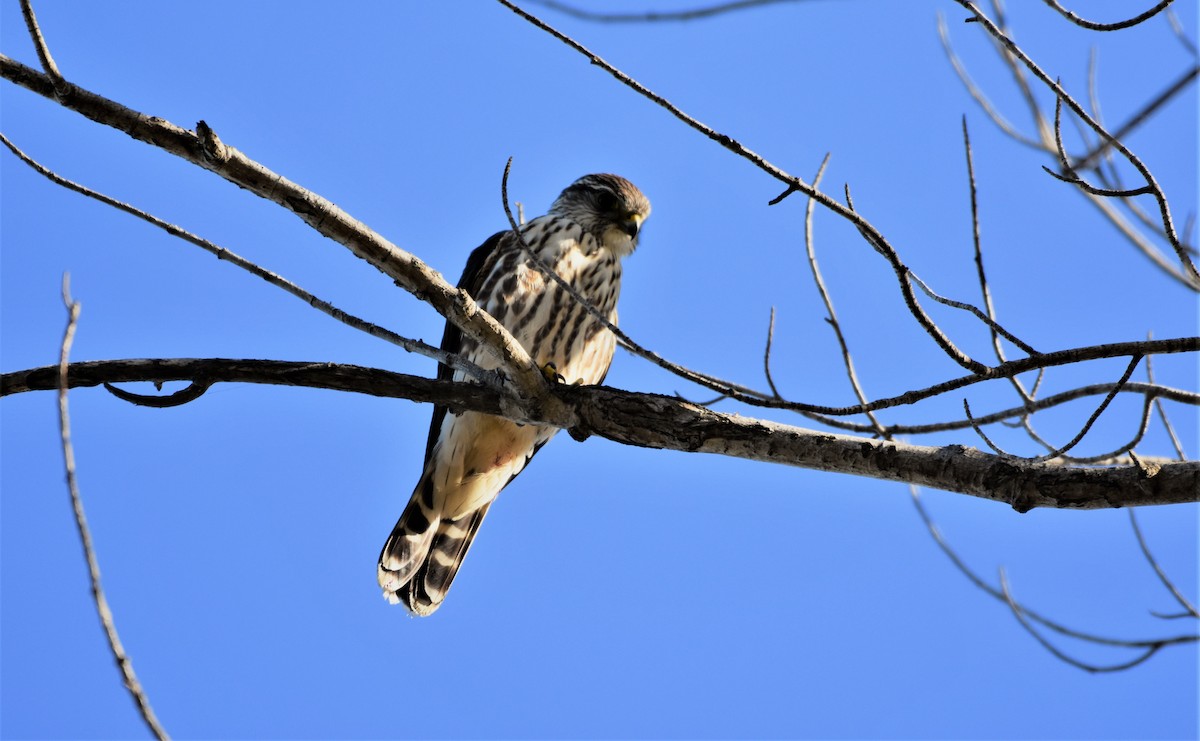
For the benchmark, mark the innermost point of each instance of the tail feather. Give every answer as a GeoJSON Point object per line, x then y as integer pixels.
{"type": "Point", "coordinates": [428, 587]}
{"type": "Point", "coordinates": [408, 545]}
{"type": "Point", "coordinates": [424, 552]}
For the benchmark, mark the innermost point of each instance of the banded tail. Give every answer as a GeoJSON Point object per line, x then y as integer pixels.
{"type": "Point", "coordinates": [424, 552]}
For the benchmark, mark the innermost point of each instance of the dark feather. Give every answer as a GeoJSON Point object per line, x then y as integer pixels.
{"type": "Point", "coordinates": [471, 281]}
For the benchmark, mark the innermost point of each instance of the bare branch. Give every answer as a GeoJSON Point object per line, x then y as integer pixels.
{"type": "Point", "coordinates": [1006, 596]}
{"type": "Point", "coordinates": [664, 422]}
{"type": "Point", "coordinates": [1162, 412]}
{"type": "Point", "coordinates": [1133, 363]}
{"type": "Point", "coordinates": [975, 92]}
{"type": "Point", "coordinates": [63, 382]}
{"type": "Point", "coordinates": [767, 355]}
{"type": "Point", "coordinates": [61, 88]}
{"type": "Point", "coordinates": [1020, 614]}
{"type": "Point", "coordinates": [795, 184]}
{"type": "Point", "coordinates": [702, 379]}
{"type": "Point", "coordinates": [274, 279]}
{"type": "Point", "coordinates": [1188, 607]}
{"type": "Point", "coordinates": [1045, 142]}
{"type": "Point", "coordinates": [204, 149]}
{"type": "Point", "coordinates": [1140, 117]}
{"type": "Point", "coordinates": [847, 360]}
{"type": "Point", "coordinates": [653, 16]}
{"type": "Point", "coordinates": [1093, 26]}
{"type": "Point", "coordinates": [976, 242]}
{"type": "Point", "coordinates": [1156, 191]}
{"type": "Point", "coordinates": [1152, 391]}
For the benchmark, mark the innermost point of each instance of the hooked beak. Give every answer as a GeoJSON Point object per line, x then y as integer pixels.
{"type": "Point", "coordinates": [631, 224]}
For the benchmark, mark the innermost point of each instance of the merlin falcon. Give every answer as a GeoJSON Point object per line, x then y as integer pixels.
{"type": "Point", "coordinates": [470, 457]}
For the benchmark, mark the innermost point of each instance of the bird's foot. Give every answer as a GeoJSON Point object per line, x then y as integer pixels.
{"type": "Point", "coordinates": [550, 371]}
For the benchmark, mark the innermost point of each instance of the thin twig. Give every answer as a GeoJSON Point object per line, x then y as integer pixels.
{"type": "Point", "coordinates": [1093, 26]}
{"type": "Point", "coordinates": [1164, 207]}
{"type": "Point", "coordinates": [1162, 412]}
{"type": "Point", "coordinates": [795, 184]}
{"type": "Point", "coordinates": [1153, 391]}
{"type": "Point", "coordinates": [819, 280]}
{"type": "Point", "coordinates": [1180, 33]}
{"type": "Point", "coordinates": [1020, 614]}
{"type": "Point", "coordinates": [767, 355]}
{"type": "Point", "coordinates": [61, 88]}
{"type": "Point", "coordinates": [1162, 576]}
{"type": "Point", "coordinates": [975, 92]}
{"type": "Point", "coordinates": [1140, 117]}
{"type": "Point", "coordinates": [656, 16]}
{"type": "Point", "coordinates": [980, 273]}
{"type": "Point", "coordinates": [1133, 363]}
{"type": "Point", "coordinates": [1045, 144]}
{"type": "Point", "coordinates": [274, 279]}
{"type": "Point", "coordinates": [999, 594]}
{"type": "Point", "coordinates": [716, 384]}
{"type": "Point", "coordinates": [124, 663]}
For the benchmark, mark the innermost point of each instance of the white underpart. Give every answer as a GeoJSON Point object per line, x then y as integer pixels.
{"type": "Point", "coordinates": [477, 454]}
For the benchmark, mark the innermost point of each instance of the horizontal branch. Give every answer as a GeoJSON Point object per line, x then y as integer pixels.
{"type": "Point", "coordinates": [664, 422]}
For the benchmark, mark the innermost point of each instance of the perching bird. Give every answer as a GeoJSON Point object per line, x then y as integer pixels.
{"type": "Point", "coordinates": [470, 457]}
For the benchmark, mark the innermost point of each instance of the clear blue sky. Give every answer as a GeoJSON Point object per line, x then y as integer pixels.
{"type": "Point", "coordinates": [614, 592]}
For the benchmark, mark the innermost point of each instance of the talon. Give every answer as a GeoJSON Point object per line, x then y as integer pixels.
{"type": "Point", "coordinates": [550, 371]}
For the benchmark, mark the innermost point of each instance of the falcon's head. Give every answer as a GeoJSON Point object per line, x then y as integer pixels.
{"type": "Point", "coordinates": [609, 207]}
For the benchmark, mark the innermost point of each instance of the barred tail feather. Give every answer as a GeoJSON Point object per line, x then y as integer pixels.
{"type": "Point", "coordinates": [429, 585]}
{"type": "Point", "coordinates": [408, 546]}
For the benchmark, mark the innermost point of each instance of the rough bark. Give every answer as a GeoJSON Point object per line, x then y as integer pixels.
{"type": "Point", "coordinates": [655, 421]}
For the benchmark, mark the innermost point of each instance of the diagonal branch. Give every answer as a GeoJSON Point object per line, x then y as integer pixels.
{"type": "Point", "coordinates": [274, 279]}
{"type": "Point", "coordinates": [204, 149]}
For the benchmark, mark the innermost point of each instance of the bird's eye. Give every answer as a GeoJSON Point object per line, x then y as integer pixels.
{"type": "Point", "coordinates": [606, 201]}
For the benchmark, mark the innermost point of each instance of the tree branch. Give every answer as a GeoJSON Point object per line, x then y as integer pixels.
{"type": "Point", "coordinates": [61, 382]}
{"type": "Point", "coordinates": [655, 421]}
{"type": "Point", "coordinates": [204, 149]}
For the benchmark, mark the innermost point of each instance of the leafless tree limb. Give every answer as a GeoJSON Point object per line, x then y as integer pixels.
{"type": "Point", "coordinates": [1018, 54]}
{"type": "Point", "coordinates": [1022, 618]}
{"type": "Point", "coordinates": [654, 16]}
{"type": "Point", "coordinates": [43, 50]}
{"type": "Point", "coordinates": [274, 279]}
{"type": "Point", "coordinates": [204, 149]}
{"type": "Point", "coordinates": [63, 382]}
{"type": "Point", "coordinates": [1044, 142]}
{"type": "Point", "coordinates": [1152, 391]}
{"type": "Point", "coordinates": [819, 280]}
{"type": "Point", "coordinates": [1149, 109]}
{"type": "Point", "coordinates": [767, 356]}
{"type": "Point", "coordinates": [1093, 26]}
{"type": "Point", "coordinates": [1162, 413]}
{"type": "Point", "coordinates": [664, 422]}
{"type": "Point", "coordinates": [1188, 607]}
{"type": "Point", "coordinates": [1025, 614]}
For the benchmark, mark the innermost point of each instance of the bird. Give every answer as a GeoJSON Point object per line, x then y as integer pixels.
{"type": "Point", "coordinates": [470, 456]}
